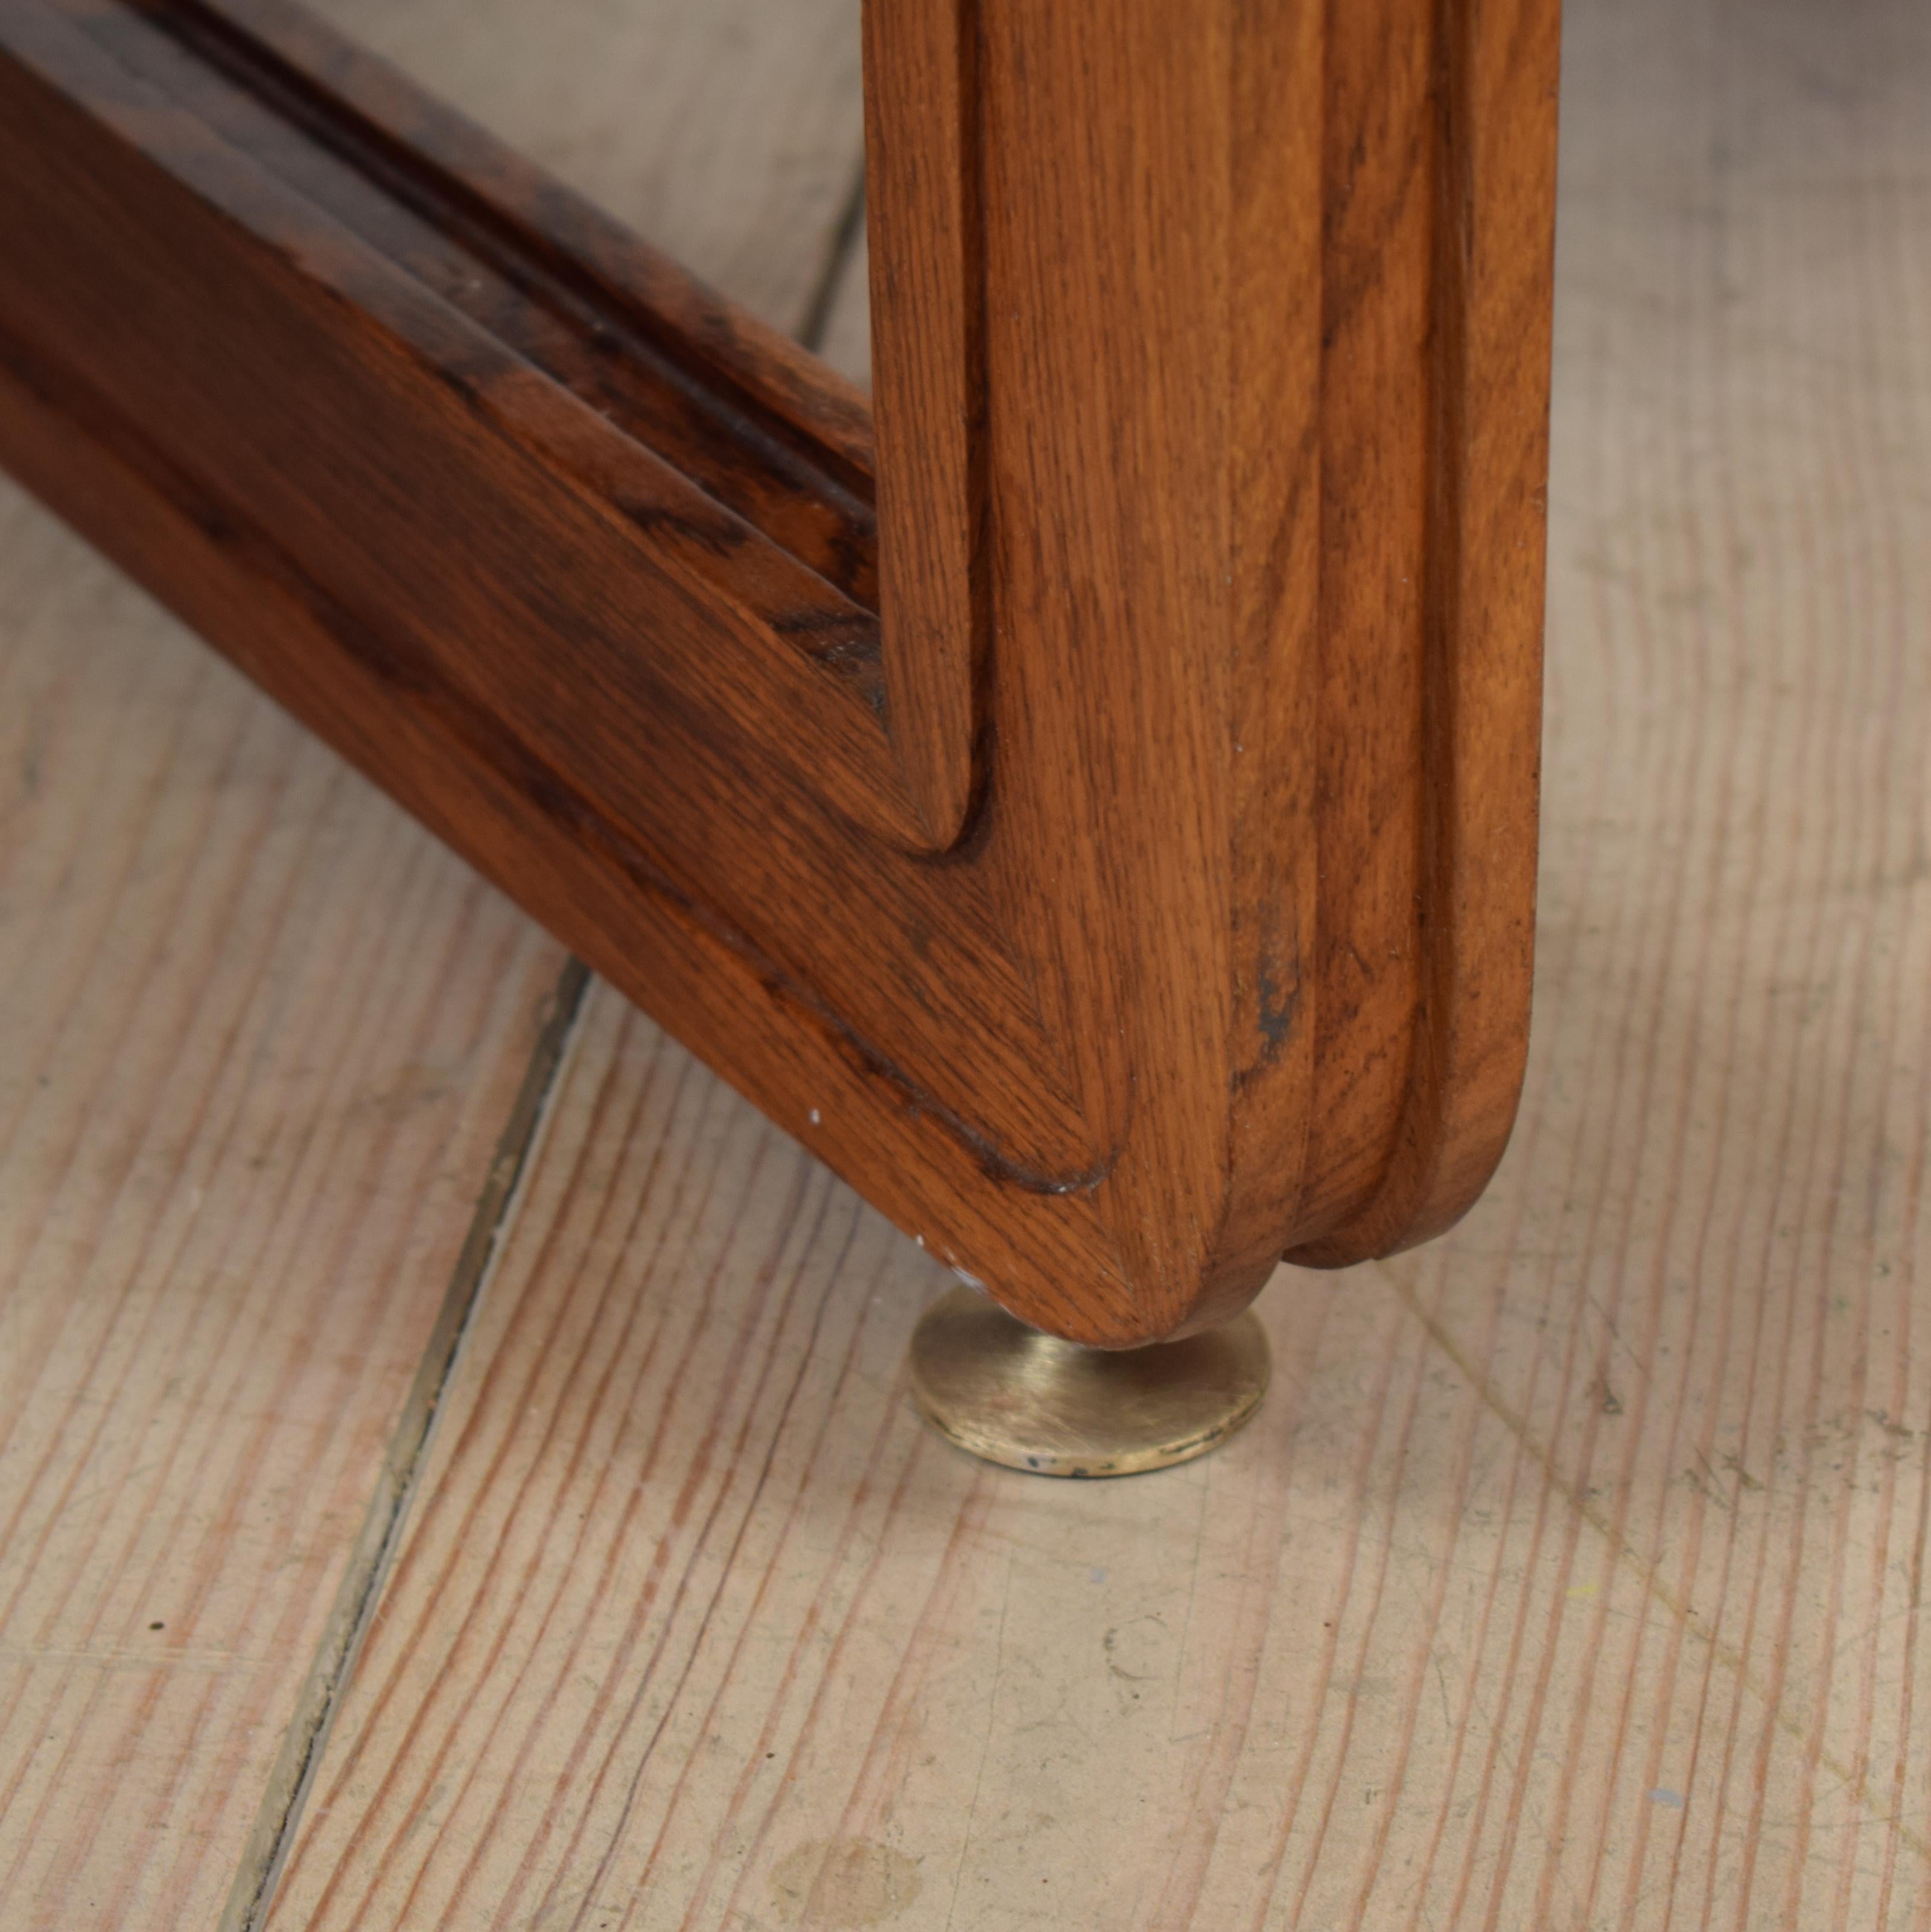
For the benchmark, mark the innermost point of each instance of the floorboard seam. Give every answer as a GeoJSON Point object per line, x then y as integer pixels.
{"type": "Point", "coordinates": [816, 320]}
{"type": "Point", "coordinates": [362, 1583]}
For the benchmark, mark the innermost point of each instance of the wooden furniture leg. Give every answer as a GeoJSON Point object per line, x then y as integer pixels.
{"type": "Point", "coordinates": [1101, 821]}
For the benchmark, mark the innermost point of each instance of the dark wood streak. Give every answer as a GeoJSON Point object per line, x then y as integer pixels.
{"type": "Point", "coordinates": [1148, 891]}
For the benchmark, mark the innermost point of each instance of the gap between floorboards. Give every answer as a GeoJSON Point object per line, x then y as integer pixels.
{"type": "Point", "coordinates": [361, 1588]}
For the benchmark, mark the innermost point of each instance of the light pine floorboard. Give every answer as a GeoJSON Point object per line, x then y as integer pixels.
{"type": "Point", "coordinates": [262, 1044]}
{"type": "Point", "coordinates": [1573, 1576]}
{"type": "Point", "coordinates": [258, 1038]}
{"type": "Point", "coordinates": [727, 132]}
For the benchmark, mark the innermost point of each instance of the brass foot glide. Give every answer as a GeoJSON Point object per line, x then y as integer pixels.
{"type": "Point", "coordinates": [1008, 1394]}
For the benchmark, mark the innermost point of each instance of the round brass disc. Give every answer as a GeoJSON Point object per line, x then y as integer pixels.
{"type": "Point", "coordinates": [1008, 1394]}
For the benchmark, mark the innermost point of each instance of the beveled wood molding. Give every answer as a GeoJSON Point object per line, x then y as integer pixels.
{"type": "Point", "coordinates": [1151, 892]}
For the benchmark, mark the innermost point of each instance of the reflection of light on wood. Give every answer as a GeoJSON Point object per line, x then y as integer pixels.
{"type": "Point", "coordinates": [689, 1594]}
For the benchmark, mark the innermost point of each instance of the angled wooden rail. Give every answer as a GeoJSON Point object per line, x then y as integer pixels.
{"type": "Point", "coordinates": [1108, 836]}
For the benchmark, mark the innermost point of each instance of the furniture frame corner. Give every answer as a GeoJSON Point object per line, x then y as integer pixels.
{"type": "Point", "coordinates": [1093, 804]}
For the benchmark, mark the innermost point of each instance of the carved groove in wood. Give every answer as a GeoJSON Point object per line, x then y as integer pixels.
{"type": "Point", "coordinates": [1152, 893]}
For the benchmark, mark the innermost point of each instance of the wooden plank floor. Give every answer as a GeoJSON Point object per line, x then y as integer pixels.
{"type": "Point", "coordinates": [259, 1040]}
{"type": "Point", "coordinates": [261, 1043]}
{"type": "Point", "coordinates": [1574, 1576]}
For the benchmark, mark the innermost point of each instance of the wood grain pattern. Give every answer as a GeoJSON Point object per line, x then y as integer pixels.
{"type": "Point", "coordinates": [1574, 1576]}
{"type": "Point", "coordinates": [728, 135]}
{"type": "Point", "coordinates": [1205, 601]}
{"type": "Point", "coordinates": [259, 1036]}
{"type": "Point", "coordinates": [258, 1039]}
{"type": "Point", "coordinates": [925, 122]}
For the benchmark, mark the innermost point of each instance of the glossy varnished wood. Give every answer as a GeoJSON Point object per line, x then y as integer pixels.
{"type": "Point", "coordinates": [260, 1042]}
{"type": "Point", "coordinates": [1572, 1578]}
{"type": "Point", "coordinates": [926, 189]}
{"type": "Point", "coordinates": [1109, 837]}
